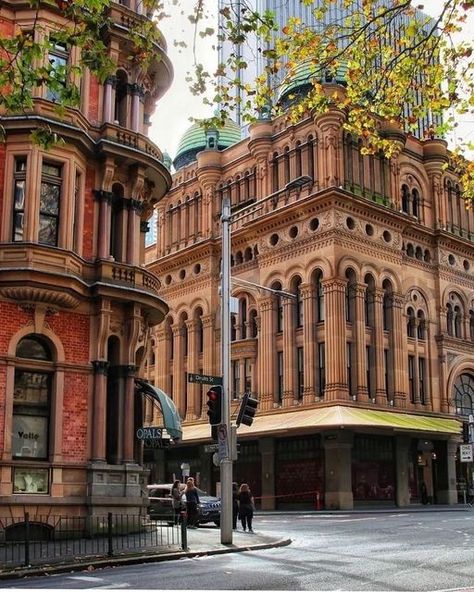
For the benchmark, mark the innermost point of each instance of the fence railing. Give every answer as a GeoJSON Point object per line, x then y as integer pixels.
{"type": "Point", "coordinates": [37, 540]}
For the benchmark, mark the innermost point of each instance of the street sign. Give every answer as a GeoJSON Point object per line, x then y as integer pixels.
{"type": "Point", "coordinates": [211, 447]}
{"type": "Point", "coordinates": [465, 453]}
{"type": "Point", "coordinates": [222, 442]}
{"type": "Point", "coordinates": [204, 379]}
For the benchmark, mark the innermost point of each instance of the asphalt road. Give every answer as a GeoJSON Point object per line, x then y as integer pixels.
{"type": "Point", "coordinates": [385, 551]}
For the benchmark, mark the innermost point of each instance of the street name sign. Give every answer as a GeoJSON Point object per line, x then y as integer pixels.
{"type": "Point", "coordinates": [204, 379]}
{"type": "Point", "coordinates": [465, 453]}
{"type": "Point", "coordinates": [211, 447]}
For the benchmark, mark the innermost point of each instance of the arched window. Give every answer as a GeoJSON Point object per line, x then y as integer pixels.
{"type": "Point", "coordinates": [279, 307]}
{"type": "Point", "coordinates": [411, 322]}
{"type": "Point", "coordinates": [233, 328]}
{"type": "Point", "coordinates": [199, 330]}
{"type": "Point", "coordinates": [387, 305]}
{"type": "Point", "coordinates": [296, 289]}
{"type": "Point", "coordinates": [464, 395]}
{"type": "Point", "coordinates": [121, 99]}
{"type": "Point", "coordinates": [275, 175]}
{"type": "Point", "coordinates": [253, 324]}
{"type": "Point", "coordinates": [32, 392]}
{"type": "Point", "coordinates": [319, 300]}
{"type": "Point", "coordinates": [421, 328]}
{"type": "Point", "coordinates": [450, 319]}
{"type": "Point", "coordinates": [405, 199]}
{"type": "Point", "coordinates": [243, 318]}
{"type": "Point", "coordinates": [457, 321]}
{"type": "Point", "coordinates": [415, 205]}
{"type": "Point", "coordinates": [248, 254]}
{"type": "Point", "coordinates": [471, 324]}
{"type": "Point", "coordinates": [369, 300]}
{"type": "Point", "coordinates": [350, 295]}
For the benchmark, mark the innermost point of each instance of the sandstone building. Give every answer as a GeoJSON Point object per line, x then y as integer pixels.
{"type": "Point", "coordinates": [76, 304]}
{"type": "Point", "coordinates": [364, 378]}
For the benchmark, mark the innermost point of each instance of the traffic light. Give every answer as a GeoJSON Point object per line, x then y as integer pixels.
{"type": "Point", "coordinates": [247, 411]}
{"type": "Point", "coordinates": [465, 432]}
{"type": "Point", "coordinates": [214, 411]}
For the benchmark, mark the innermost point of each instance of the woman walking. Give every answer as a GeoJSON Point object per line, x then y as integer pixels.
{"type": "Point", "coordinates": [192, 501]}
{"type": "Point", "coordinates": [176, 494]}
{"type": "Point", "coordinates": [235, 505]}
{"type": "Point", "coordinates": [246, 507]}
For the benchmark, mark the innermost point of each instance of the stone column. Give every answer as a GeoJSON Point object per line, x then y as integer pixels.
{"type": "Point", "coordinates": [338, 470]}
{"type": "Point", "coordinates": [129, 415]}
{"type": "Point", "coordinates": [135, 119]}
{"type": "Point", "coordinates": [267, 452]}
{"type": "Point", "coordinates": [134, 209]}
{"type": "Point", "coordinates": [288, 352]}
{"type": "Point", "coordinates": [380, 392]}
{"type": "Point", "coordinates": [396, 345]}
{"type": "Point", "coordinates": [307, 295]}
{"type": "Point", "coordinates": [99, 409]}
{"type": "Point", "coordinates": [446, 460]}
{"type": "Point", "coordinates": [402, 448]}
{"type": "Point", "coordinates": [360, 350]}
{"type": "Point", "coordinates": [178, 370]}
{"type": "Point", "coordinates": [335, 338]}
{"type": "Point", "coordinates": [193, 410]}
{"type": "Point", "coordinates": [103, 232]}
{"type": "Point", "coordinates": [109, 86]}
{"type": "Point", "coordinates": [266, 355]}
{"type": "Point", "coordinates": [444, 396]}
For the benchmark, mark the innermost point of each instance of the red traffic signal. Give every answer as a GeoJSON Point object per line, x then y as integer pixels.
{"type": "Point", "coordinates": [247, 411]}
{"type": "Point", "coordinates": [214, 404]}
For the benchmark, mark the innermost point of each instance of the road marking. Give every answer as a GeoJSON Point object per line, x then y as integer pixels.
{"type": "Point", "coordinates": [112, 586]}
{"type": "Point", "coordinates": [86, 578]}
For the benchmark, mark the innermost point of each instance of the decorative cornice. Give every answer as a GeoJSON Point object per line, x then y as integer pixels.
{"type": "Point", "coordinates": [24, 294]}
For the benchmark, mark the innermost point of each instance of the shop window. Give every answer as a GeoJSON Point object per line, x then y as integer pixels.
{"type": "Point", "coordinates": [19, 194]}
{"type": "Point", "coordinates": [50, 195]}
{"type": "Point", "coordinates": [373, 468]}
{"type": "Point", "coordinates": [31, 411]}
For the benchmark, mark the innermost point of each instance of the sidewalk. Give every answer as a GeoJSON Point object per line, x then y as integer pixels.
{"type": "Point", "coordinates": [205, 540]}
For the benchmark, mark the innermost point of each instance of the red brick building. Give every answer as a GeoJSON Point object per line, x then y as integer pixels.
{"type": "Point", "coordinates": [75, 303]}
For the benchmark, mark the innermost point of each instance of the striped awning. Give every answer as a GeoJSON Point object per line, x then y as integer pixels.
{"type": "Point", "coordinates": [334, 417]}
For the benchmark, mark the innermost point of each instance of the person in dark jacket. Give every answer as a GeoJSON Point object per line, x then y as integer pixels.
{"type": "Point", "coordinates": [246, 506]}
{"type": "Point", "coordinates": [192, 501]}
{"type": "Point", "coordinates": [235, 505]}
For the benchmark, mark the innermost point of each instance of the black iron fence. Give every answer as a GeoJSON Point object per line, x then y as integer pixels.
{"type": "Point", "coordinates": [41, 540]}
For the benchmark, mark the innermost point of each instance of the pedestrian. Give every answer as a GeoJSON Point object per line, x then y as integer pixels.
{"type": "Point", "coordinates": [235, 505]}
{"type": "Point", "coordinates": [246, 507]}
{"type": "Point", "coordinates": [192, 501]}
{"type": "Point", "coordinates": [176, 495]}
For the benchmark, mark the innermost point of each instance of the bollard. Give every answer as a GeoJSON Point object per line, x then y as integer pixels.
{"type": "Point", "coordinates": [184, 531]}
{"type": "Point", "coordinates": [318, 501]}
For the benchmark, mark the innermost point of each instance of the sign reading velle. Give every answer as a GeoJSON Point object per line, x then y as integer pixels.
{"type": "Point", "coordinates": [149, 433]}
{"type": "Point", "coordinates": [465, 453]}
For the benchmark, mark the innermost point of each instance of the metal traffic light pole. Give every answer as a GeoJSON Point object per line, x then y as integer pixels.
{"type": "Point", "coordinates": [226, 221]}
{"type": "Point", "coordinates": [226, 463]}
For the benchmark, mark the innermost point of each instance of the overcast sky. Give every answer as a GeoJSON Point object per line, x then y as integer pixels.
{"type": "Point", "coordinates": [171, 118]}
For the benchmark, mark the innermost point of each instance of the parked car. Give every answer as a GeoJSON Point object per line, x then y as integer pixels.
{"type": "Point", "coordinates": [161, 504]}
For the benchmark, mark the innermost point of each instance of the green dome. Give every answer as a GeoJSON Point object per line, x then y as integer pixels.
{"type": "Point", "coordinates": [194, 140]}
{"type": "Point", "coordinates": [300, 80]}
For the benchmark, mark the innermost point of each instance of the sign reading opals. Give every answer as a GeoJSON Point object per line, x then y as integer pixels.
{"type": "Point", "coordinates": [150, 433]}
{"type": "Point", "coordinates": [152, 437]}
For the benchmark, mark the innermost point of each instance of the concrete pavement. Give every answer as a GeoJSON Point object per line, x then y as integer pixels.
{"type": "Point", "coordinates": [205, 540]}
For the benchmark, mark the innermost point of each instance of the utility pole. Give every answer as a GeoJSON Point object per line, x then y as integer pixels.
{"type": "Point", "coordinates": [227, 218]}
{"type": "Point", "coordinates": [226, 463]}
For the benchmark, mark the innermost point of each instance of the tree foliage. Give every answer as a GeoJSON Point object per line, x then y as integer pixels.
{"type": "Point", "coordinates": [392, 56]}
{"type": "Point", "coordinates": [390, 53]}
